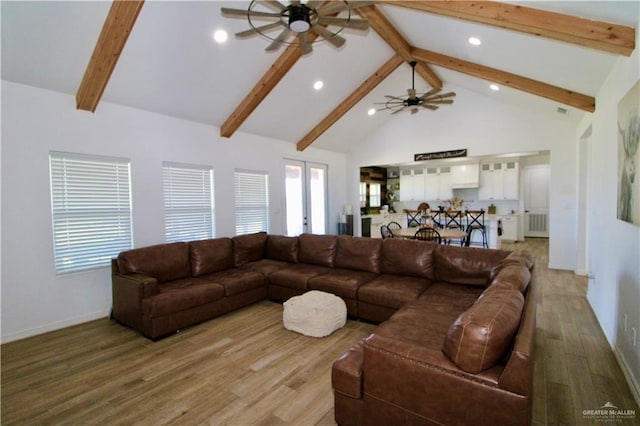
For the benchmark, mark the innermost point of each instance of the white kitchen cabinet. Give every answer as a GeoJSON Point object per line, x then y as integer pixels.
{"type": "Point", "coordinates": [465, 176]}
{"type": "Point", "coordinates": [499, 181]}
{"type": "Point", "coordinates": [510, 228]}
{"type": "Point", "coordinates": [511, 180]}
{"type": "Point", "coordinates": [412, 185]}
{"type": "Point", "coordinates": [438, 183]}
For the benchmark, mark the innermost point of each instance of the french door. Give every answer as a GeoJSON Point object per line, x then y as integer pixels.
{"type": "Point", "coordinates": [305, 197]}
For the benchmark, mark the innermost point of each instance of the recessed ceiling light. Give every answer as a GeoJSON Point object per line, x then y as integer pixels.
{"type": "Point", "coordinates": [220, 36]}
{"type": "Point", "coordinates": [371, 111]}
{"type": "Point", "coordinates": [494, 87]}
{"type": "Point", "coordinates": [318, 85]}
{"type": "Point", "coordinates": [475, 41]}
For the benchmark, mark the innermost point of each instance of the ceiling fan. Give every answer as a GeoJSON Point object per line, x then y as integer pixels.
{"type": "Point", "coordinates": [298, 19]}
{"type": "Point", "coordinates": [413, 102]}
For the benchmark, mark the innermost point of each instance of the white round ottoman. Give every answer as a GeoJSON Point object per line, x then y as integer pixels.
{"type": "Point", "coordinates": [315, 313]}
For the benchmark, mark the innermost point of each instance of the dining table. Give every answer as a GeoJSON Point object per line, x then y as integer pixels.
{"type": "Point", "coordinates": [446, 234]}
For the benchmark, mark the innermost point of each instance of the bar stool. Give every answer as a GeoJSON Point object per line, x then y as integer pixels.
{"type": "Point", "coordinates": [475, 222]}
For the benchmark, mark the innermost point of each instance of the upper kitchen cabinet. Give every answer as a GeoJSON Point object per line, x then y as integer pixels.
{"type": "Point", "coordinates": [438, 183]}
{"type": "Point", "coordinates": [412, 185]}
{"type": "Point", "coordinates": [499, 180]}
{"type": "Point", "coordinates": [465, 176]}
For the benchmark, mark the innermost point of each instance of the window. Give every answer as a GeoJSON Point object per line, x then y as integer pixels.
{"type": "Point", "coordinates": [374, 195]}
{"type": "Point", "coordinates": [252, 202]}
{"type": "Point", "coordinates": [363, 194]}
{"type": "Point", "coordinates": [188, 202]}
{"type": "Point", "coordinates": [91, 210]}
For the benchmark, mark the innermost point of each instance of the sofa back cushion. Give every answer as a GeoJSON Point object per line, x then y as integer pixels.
{"type": "Point", "coordinates": [517, 257]}
{"type": "Point", "coordinates": [165, 262]}
{"type": "Point", "coordinates": [466, 265]}
{"type": "Point", "coordinates": [516, 276]}
{"type": "Point", "coordinates": [408, 257]}
{"type": "Point", "coordinates": [282, 248]}
{"type": "Point", "coordinates": [317, 249]}
{"type": "Point", "coordinates": [360, 254]}
{"type": "Point", "coordinates": [481, 335]}
{"type": "Point", "coordinates": [249, 248]}
{"type": "Point", "coordinates": [209, 256]}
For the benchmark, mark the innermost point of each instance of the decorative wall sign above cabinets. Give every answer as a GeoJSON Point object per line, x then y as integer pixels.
{"type": "Point", "coordinates": [440, 155]}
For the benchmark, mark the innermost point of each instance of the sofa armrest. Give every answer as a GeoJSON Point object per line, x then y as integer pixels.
{"type": "Point", "coordinates": [128, 290]}
{"type": "Point", "coordinates": [423, 381]}
{"type": "Point", "coordinates": [346, 373]}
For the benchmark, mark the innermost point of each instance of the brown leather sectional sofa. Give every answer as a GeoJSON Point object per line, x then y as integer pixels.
{"type": "Point", "coordinates": [455, 343]}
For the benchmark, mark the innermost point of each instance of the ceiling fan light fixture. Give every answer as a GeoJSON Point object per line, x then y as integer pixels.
{"type": "Point", "coordinates": [299, 18]}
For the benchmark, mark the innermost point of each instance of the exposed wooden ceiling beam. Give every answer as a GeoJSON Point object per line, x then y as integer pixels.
{"type": "Point", "coordinates": [115, 31]}
{"type": "Point", "coordinates": [564, 96]}
{"type": "Point", "coordinates": [599, 35]}
{"type": "Point", "coordinates": [349, 102]}
{"type": "Point", "coordinates": [390, 34]}
{"type": "Point", "coordinates": [263, 87]}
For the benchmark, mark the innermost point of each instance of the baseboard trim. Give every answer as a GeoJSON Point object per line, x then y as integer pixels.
{"type": "Point", "coordinates": [631, 380]}
{"type": "Point", "coordinates": [23, 334]}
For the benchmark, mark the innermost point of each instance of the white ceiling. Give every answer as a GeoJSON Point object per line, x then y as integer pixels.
{"type": "Point", "coordinates": [171, 65]}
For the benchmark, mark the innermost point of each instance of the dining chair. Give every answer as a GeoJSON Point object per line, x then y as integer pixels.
{"type": "Point", "coordinates": [393, 225]}
{"type": "Point", "coordinates": [475, 222]}
{"type": "Point", "coordinates": [385, 232]}
{"type": "Point", "coordinates": [453, 219]}
{"type": "Point", "coordinates": [428, 234]}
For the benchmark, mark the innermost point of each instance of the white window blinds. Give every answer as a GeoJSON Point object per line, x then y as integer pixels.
{"type": "Point", "coordinates": [252, 202]}
{"type": "Point", "coordinates": [188, 202]}
{"type": "Point", "coordinates": [91, 210]}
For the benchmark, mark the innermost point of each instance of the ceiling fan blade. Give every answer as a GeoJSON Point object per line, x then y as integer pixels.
{"type": "Point", "coordinates": [336, 40]}
{"type": "Point", "coordinates": [305, 46]}
{"type": "Point", "coordinates": [332, 7]}
{"type": "Point", "coordinates": [393, 97]}
{"type": "Point", "coordinates": [431, 107]}
{"type": "Point", "coordinates": [357, 4]}
{"type": "Point", "coordinates": [273, 4]}
{"type": "Point", "coordinates": [295, 2]}
{"type": "Point", "coordinates": [414, 110]}
{"type": "Point", "coordinates": [358, 24]}
{"type": "Point", "coordinates": [429, 93]}
{"type": "Point", "coordinates": [313, 4]}
{"type": "Point", "coordinates": [441, 101]}
{"type": "Point", "coordinates": [258, 30]}
{"type": "Point", "coordinates": [336, 6]}
{"type": "Point", "coordinates": [277, 42]}
{"type": "Point", "coordinates": [398, 110]}
{"type": "Point", "coordinates": [446, 95]}
{"type": "Point", "coordinates": [241, 13]}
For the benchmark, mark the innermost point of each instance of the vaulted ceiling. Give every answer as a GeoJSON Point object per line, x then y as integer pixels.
{"type": "Point", "coordinates": [160, 56]}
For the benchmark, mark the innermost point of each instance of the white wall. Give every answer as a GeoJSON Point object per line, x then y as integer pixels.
{"type": "Point", "coordinates": [614, 245]}
{"type": "Point", "coordinates": [35, 121]}
{"type": "Point", "coordinates": [484, 127]}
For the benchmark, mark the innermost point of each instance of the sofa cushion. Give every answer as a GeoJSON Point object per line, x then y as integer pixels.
{"type": "Point", "coordinates": [360, 254]}
{"type": "Point", "coordinates": [236, 281]}
{"type": "Point", "coordinates": [249, 247]}
{"type": "Point", "coordinates": [317, 249]}
{"type": "Point", "coordinates": [392, 291]}
{"type": "Point", "coordinates": [208, 256]}
{"type": "Point", "coordinates": [165, 262]}
{"type": "Point", "coordinates": [341, 282]}
{"type": "Point", "coordinates": [181, 295]}
{"type": "Point", "coordinates": [465, 265]}
{"type": "Point", "coordinates": [265, 266]}
{"type": "Point", "coordinates": [282, 248]}
{"type": "Point", "coordinates": [297, 276]}
{"type": "Point", "coordinates": [481, 335]}
{"type": "Point", "coordinates": [407, 257]}
{"type": "Point", "coordinates": [517, 257]}
{"type": "Point", "coordinates": [517, 276]}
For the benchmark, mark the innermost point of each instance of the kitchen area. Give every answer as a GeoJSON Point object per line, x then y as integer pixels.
{"type": "Point", "coordinates": [392, 193]}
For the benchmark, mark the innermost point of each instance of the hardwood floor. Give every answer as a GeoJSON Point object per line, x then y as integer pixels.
{"type": "Point", "coordinates": [244, 368]}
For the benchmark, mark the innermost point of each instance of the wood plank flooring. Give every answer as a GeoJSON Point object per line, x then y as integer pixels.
{"type": "Point", "coordinates": [245, 369]}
